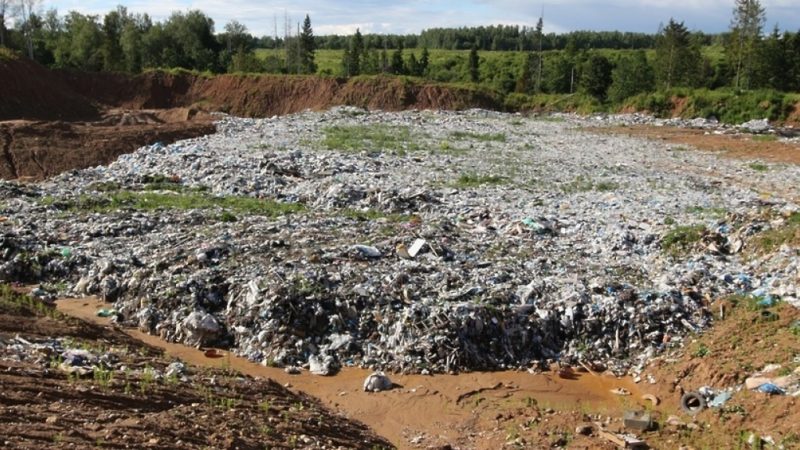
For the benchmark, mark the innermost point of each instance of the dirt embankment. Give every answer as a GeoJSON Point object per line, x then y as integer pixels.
{"type": "Point", "coordinates": [267, 95]}
{"type": "Point", "coordinates": [30, 91]}
{"type": "Point", "coordinates": [37, 149]}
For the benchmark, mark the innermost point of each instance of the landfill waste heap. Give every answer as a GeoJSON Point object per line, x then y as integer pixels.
{"type": "Point", "coordinates": [415, 242]}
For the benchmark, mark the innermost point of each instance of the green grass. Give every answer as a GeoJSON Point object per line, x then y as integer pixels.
{"type": "Point", "coordinates": [483, 137]}
{"type": "Point", "coordinates": [765, 138]}
{"type": "Point", "coordinates": [759, 167]}
{"type": "Point", "coordinates": [470, 180]}
{"type": "Point", "coordinates": [586, 184]}
{"type": "Point", "coordinates": [152, 201]}
{"type": "Point", "coordinates": [773, 239]}
{"type": "Point", "coordinates": [358, 138]}
{"type": "Point", "coordinates": [727, 105]}
{"type": "Point", "coordinates": [680, 239]}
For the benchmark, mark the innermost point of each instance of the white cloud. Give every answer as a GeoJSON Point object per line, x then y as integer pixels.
{"type": "Point", "coordinates": [343, 17]}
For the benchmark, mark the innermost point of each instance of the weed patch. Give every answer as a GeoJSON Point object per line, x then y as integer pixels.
{"type": "Point", "coordinates": [773, 239]}
{"type": "Point", "coordinates": [765, 138]}
{"type": "Point", "coordinates": [679, 240]}
{"type": "Point", "coordinates": [360, 138]}
{"type": "Point", "coordinates": [586, 184]}
{"type": "Point", "coordinates": [482, 137]}
{"type": "Point", "coordinates": [151, 201]}
{"type": "Point", "coordinates": [469, 180]}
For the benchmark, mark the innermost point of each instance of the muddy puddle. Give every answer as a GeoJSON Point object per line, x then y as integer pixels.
{"type": "Point", "coordinates": [443, 408]}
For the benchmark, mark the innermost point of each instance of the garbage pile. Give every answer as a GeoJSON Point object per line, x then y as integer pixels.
{"type": "Point", "coordinates": [414, 242]}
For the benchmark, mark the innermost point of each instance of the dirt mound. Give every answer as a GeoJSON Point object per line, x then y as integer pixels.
{"type": "Point", "coordinates": [268, 95]}
{"type": "Point", "coordinates": [29, 91]}
{"type": "Point", "coordinates": [39, 150]}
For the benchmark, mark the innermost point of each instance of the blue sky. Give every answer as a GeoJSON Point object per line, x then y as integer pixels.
{"type": "Point", "coordinates": [343, 17]}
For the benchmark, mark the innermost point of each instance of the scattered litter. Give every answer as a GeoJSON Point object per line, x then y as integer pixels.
{"type": "Point", "coordinates": [652, 399]}
{"type": "Point", "coordinates": [620, 391]}
{"type": "Point", "coordinates": [106, 312]}
{"type": "Point", "coordinates": [637, 420]}
{"type": "Point", "coordinates": [376, 382]}
{"type": "Point", "coordinates": [720, 399]}
{"type": "Point", "coordinates": [770, 388]}
{"type": "Point", "coordinates": [692, 403]}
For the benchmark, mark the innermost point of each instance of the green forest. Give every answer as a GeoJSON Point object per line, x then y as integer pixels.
{"type": "Point", "coordinates": [583, 70]}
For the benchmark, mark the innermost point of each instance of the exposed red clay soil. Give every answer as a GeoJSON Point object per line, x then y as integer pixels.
{"type": "Point", "coordinates": [267, 95]}
{"type": "Point", "coordinates": [30, 91]}
{"type": "Point", "coordinates": [36, 149]}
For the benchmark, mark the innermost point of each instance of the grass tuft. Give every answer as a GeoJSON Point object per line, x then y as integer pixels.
{"type": "Point", "coordinates": [469, 180]}
{"type": "Point", "coordinates": [358, 138]}
{"type": "Point", "coordinates": [152, 201]}
{"type": "Point", "coordinates": [680, 240]}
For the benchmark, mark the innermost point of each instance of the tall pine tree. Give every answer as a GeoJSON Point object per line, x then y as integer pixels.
{"type": "Point", "coordinates": [474, 64]}
{"type": "Point", "coordinates": [677, 59]}
{"type": "Point", "coordinates": [307, 48]}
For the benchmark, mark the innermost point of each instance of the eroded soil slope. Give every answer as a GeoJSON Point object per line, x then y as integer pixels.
{"type": "Point", "coordinates": [134, 398]}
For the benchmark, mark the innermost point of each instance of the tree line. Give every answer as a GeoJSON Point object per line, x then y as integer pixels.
{"type": "Point", "coordinates": [124, 41]}
{"type": "Point", "coordinates": [541, 63]}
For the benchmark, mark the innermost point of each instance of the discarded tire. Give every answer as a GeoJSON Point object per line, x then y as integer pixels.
{"type": "Point", "coordinates": [692, 403]}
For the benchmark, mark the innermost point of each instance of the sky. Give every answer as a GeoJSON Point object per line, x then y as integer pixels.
{"type": "Point", "coordinates": [412, 16]}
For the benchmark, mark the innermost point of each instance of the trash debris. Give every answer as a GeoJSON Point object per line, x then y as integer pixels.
{"type": "Point", "coordinates": [651, 398]}
{"type": "Point", "coordinates": [292, 370]}
{"type": "Point", "coordinates": [720, 399]}
{"type": "Point", "coordinates": [323, 366]}
{"type": "Point", "coordinates": [106, 312]}
{"type": "Point", "coordinates": [620, 391]}
{"type": "Point", "coordinates": [637, 420]}
{"type": "Point", "coordinates": [770, 388]}
{"type": "Point", "coordinates": [693, 403]}
{"type": "Point", "coordinates": [376, 382]}
{"type": "Point", "coordinates": [416, 247]}
{"type": "Point", "coordinates": [490, 280]}
{"type": "Point", "coordinates": [625, 441]}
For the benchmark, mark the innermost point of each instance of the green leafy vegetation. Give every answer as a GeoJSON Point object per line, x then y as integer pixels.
{"type": "Point", "coordinates": [585, 184]}
{"type": "Point", "coordinates": [151, 201]}
{"type": "Point", "coordinates": [759, 167]}
{"type": "Point", "coordinates": [680, 239]}
{"type": "Point", "coordinates": [765, 138]}
{"type": "Point", "coordinates": [357, 138]}
{"type": "Point", "coordinates": [774, 238]}
{"type": "Point", "coordinates": [471, 180]}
